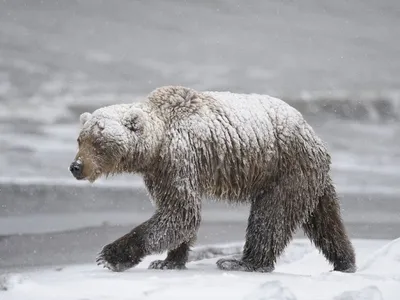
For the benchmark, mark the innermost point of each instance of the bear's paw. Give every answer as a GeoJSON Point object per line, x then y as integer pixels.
{"type": "Point", "coordinates": [119, 257]}
{"type": "Point", "coordinates": [239, 265]}
{"type": "Point", "coordinates": [166, 265]}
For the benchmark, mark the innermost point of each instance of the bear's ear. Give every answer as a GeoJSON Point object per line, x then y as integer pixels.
{"type": "Point", "coordinates": [84, 118]}
{"type": "Point", "coordinates": [134, 119]}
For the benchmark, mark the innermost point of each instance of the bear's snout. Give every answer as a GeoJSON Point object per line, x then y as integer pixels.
{"type": "Point", "coordinates": [76, 169]}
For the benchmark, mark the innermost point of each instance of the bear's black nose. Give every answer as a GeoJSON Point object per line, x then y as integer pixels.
{"type": "Point", "coordinates": [76, 169]}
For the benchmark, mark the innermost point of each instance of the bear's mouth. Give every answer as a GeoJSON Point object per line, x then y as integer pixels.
{"type": "Point", "coordinates": [94, 176]}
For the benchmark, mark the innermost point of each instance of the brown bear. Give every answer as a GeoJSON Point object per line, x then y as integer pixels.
{"type": "Point", "coordinates": [189, 145]}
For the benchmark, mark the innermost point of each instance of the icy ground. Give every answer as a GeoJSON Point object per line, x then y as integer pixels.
{"type": "Point", "coordinates": [301, 273]}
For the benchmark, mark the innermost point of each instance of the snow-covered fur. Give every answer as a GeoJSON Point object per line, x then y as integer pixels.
{"type": "Point", "coordinates": [190, 145]}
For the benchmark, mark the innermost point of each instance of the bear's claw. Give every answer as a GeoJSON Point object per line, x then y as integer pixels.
{"type": "Point", "coordinates": [239, 265]}
{"type": "Point", "coordinates": [117, 267]}
{"type": "Point", "coordinates": [166, 265]}
{"type": "Point", "coordinates": [118, 258]}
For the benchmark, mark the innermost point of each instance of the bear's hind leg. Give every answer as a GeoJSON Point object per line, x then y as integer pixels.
{"type": "Point", "coordinates": [271, 225]}
{"type": "Point", "coordinates": [176, 258]}
{"type": "Point", "coordinates": [326, 230]}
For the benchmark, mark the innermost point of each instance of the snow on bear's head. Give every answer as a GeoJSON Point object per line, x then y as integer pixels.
{"type": "Point", "coordinates": [111, 140]}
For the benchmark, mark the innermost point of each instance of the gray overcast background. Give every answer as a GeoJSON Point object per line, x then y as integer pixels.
{"type": "Point", "coordinates": [336, 61]}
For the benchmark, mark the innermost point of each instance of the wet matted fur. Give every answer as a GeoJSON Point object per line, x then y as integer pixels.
{"type": "Point", "coordinates": [190, 145]}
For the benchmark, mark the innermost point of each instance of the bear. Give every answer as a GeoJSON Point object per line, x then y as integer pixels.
{"type": "Point", "coordinates": [190, 145]}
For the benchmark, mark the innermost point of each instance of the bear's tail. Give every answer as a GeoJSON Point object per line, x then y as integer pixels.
{"type": "Point", "coordinates": [326, 230]}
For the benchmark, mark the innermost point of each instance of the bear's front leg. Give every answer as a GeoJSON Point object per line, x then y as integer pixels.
{"type": "Point", "coordinates": [166, 229]}
{"type": "Point", "coordinates": [176, 259]}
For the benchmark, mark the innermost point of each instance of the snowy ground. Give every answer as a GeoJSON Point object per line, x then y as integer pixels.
{"type": "Point", "coordinates": [302, 273]}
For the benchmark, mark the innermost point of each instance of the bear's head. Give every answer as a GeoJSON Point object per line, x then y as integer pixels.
{"type": "Point", "coordinates": [112, 140]}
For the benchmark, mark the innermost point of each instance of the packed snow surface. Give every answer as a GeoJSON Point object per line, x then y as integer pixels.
{"type": "Point", "coordinates": [301, 273]}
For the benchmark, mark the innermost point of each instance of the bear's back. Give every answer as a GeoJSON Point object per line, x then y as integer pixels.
{"type": "Point", "coordinates": [174, 103]}
{"type": "Point", "coordinates": [261, 116]}
{"type": "Point", "coordinates": [255, 106]}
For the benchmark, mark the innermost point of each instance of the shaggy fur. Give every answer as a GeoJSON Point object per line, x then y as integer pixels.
{"type": "Point", "coordinates": [190, 145]}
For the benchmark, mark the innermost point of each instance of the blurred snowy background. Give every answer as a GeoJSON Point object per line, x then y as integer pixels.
{"type": "Point", "coordinates": [336, 61]}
